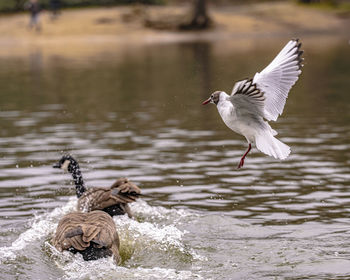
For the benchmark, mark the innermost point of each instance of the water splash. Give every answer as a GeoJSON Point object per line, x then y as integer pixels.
{"type": "Point", "coordinates": [43, 225]}
{"type": "Point", "coordinates": [159, 213]}
{"type": "Point", "coordinates": [105, 269]}
{"type": "Point", "coordinates": [159, 227]}
{"type": "Point", "coordinates": [143, 243]}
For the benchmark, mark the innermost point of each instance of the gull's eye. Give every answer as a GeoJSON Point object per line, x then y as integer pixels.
{"type": "Point", "coordinates": [212, 96]}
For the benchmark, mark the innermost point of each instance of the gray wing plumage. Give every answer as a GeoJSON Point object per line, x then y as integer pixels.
{"type": "Point", "coordinates": [247, 98]}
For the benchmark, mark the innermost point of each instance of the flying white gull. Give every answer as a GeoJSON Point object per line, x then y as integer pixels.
{"type": "Point", "coordinates": [255, 101]}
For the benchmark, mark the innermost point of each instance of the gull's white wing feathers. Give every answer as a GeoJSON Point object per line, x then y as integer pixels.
{"type": "Point", "coordinates": [247, 98]}
{"type": "Point", "coordinates": [278, 77]}
{"type": "Point", "coordinates": [249, 103]}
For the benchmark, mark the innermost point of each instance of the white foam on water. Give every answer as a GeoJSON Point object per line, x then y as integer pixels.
{"type": "Point", "coordinates": [42, 226]}
{"type": "Point", "coordinates": [75, 267]}
{"type": "Point", "coordinates": [158, 232]}
{"type": "Point", "coordinates": [163, 235]}
{"type": "Point", "coordinates": [152, 233]}
{"type": "Point", "coordinates": [106, 269]}
{"type": "Point", "coordinates": [141, 208]}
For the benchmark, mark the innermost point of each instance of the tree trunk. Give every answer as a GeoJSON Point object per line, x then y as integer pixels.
{"type": "Point", "coordinates": [200, 18]}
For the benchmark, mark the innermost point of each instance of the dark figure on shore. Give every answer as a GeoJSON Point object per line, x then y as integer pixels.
{"type": "Point", "coordinates": [55, 6]}
{"type": "Point", "coordinates": [34, 7]}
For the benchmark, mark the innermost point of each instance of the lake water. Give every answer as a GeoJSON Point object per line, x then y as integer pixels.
{"type": "Point", "coordinates": [136, 112]}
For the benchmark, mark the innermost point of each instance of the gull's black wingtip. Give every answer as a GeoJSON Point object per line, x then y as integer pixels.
{"type": "Point", "coordinates": [299, 52]}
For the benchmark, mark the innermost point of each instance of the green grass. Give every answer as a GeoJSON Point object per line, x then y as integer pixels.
{"type": "Point", "coordinates": [333, 6]}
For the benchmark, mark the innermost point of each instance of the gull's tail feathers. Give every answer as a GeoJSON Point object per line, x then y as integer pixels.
{"type": "Point", "coordinates": [269, 145]}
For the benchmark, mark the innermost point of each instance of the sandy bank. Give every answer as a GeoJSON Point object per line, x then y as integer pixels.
{"type": "Point", "coordinates": [97, 29]}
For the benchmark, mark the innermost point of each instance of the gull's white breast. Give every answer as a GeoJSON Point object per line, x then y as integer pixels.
{"type": "Point", "coordinates": [243, 126]}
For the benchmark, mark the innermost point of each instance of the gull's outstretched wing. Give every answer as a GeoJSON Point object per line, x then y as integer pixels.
{"type": "Point", "coordinates": [247, 98]}
{"type": "Point", "coordinates": [278, 77]}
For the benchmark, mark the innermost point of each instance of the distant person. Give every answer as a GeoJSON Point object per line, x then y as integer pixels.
{"type": "Point", "coordinates": [55, 6]}
{"type": "Point", "coordinates": [34, 7]}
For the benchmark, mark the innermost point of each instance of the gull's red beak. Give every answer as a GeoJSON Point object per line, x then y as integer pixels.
{"type": "Point", "coordinates": [206, 101]}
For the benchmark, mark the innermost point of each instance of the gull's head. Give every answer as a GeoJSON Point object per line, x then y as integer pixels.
{"type": "Point", "coordinates": [67, 163]}
{"type": "Point", "coordinates": [214, 98]}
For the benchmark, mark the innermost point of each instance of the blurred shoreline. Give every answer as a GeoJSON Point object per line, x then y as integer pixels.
{"type": "Point", "coordinates": [92, 30]}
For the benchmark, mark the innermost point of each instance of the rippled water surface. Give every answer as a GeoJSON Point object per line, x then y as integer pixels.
{"type": "Point", "coordinates": [137, 112]}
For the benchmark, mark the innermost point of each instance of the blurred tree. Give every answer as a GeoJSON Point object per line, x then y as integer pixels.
{"type": "Point", "coordinates": [19, 5]}
{"type": "Point", "coordinates": [200, 18]}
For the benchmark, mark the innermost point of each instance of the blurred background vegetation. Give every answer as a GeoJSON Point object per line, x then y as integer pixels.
{"type": "Point", "coordinates": [18, 5]}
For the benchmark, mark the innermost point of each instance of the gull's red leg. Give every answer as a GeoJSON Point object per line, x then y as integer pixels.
{"type": "Point", "coordinates": [241, 163]}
